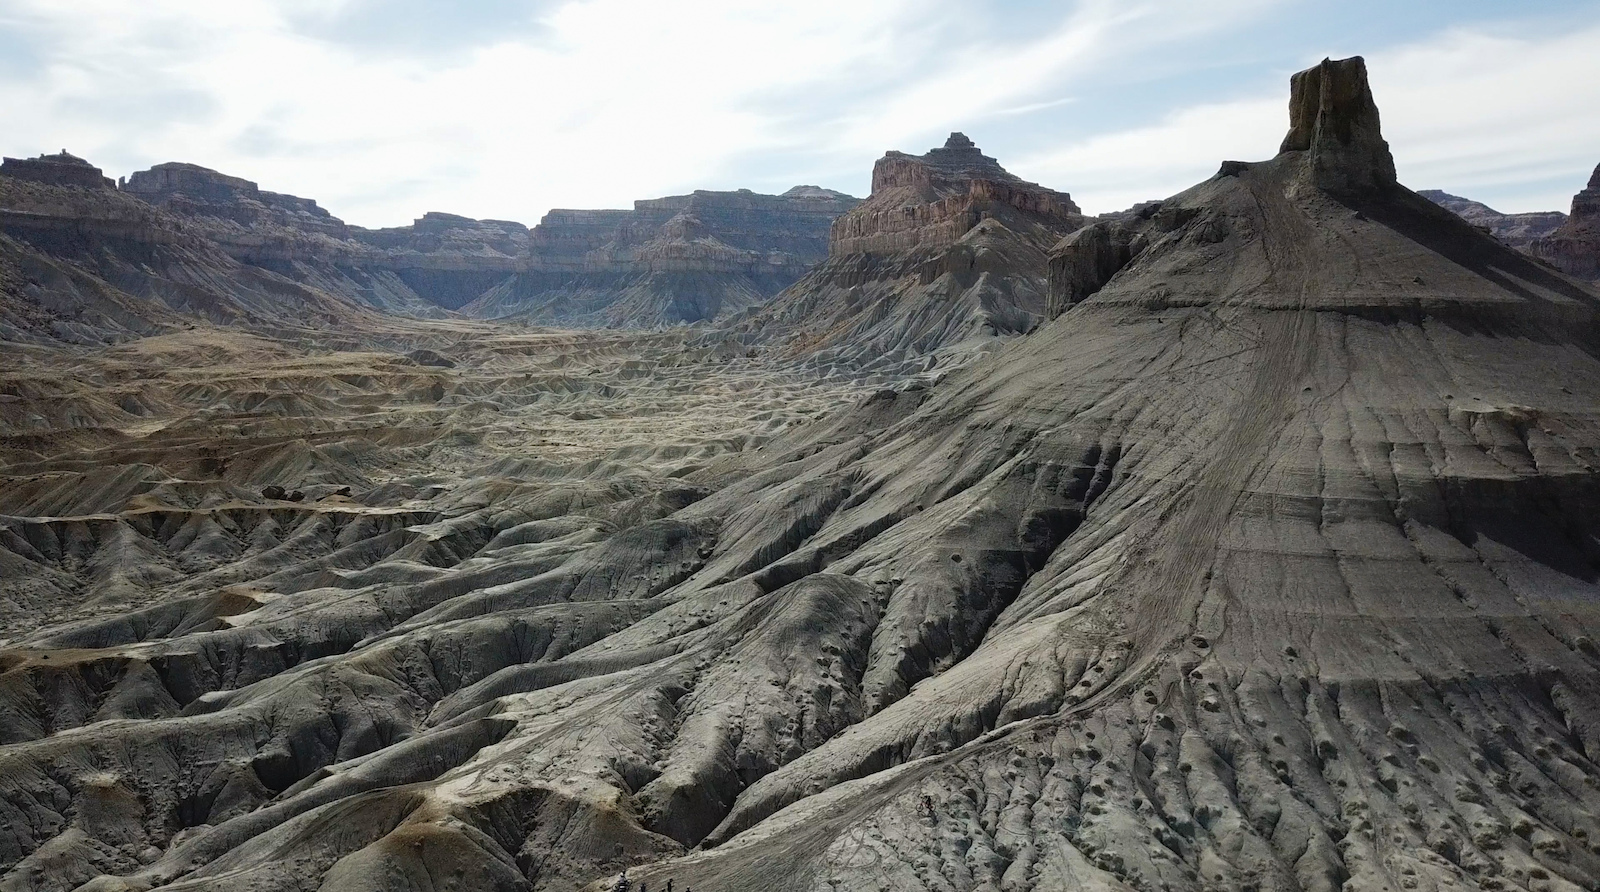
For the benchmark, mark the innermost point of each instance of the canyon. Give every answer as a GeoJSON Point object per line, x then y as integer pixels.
{"type": "Point", "coordinates": [680, 259]}
{"type": "Point", "coordinates": [1244, 540]}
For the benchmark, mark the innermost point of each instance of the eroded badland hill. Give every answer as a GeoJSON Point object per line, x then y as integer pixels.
{"type": "Point", "coordinates": [1246, 541]}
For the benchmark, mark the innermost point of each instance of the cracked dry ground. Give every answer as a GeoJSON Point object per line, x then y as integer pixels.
{"type": "Point", "coordinates": [1271, 566]}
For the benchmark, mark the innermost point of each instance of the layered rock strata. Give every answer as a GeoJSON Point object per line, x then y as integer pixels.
{"type": "Point", "coordinates": [438, 263]}
{"type": "Point", "coordinates": [935, 198]}
{"type": "Point", "coordinates": [94, 264]}
{"type": "Point", "coordinates": [682, 258]}
{"type": "Point", "coordinates": [191, 190]}
{"type": "Point", "coordinates": [685, 258]}
{"type": "Point", "coordinates": [945, 256]}
{"type": "Point", "coordinates": [1575, 246]}
{"type": "Point", "coordinates": [1333, 118]}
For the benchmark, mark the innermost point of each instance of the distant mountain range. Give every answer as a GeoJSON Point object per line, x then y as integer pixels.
{"type": "Point", "coordinates": [689, 258]}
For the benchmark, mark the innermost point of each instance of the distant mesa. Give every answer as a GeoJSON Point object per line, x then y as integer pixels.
{"type": "Point", "coordinates": [936, 197]}
{"type": "Point", "coordinates": [947, 255]}
{"type": "Point", "coordinates": [739, 227]}
{"type": "Point", "coordinates": [60, 169]}
{"type": "Point", "coordinates": [165, 182]}
{"type": "Point", "coordinates": [107, 265]}
{"type": "Point", "coordinates": [194, 190]}
{"type": "Point", "coordinates": [1520, 231]}
{"type": "Point", "coordinates": [679, 259]}
{"type": "Point", "coordinates": [820, 193]}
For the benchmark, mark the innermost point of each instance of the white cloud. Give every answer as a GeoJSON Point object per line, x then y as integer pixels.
{"type": "Point", "coordinates": [617, 99]}
{"type": "Point", "coordinates": [1465, 111]}
{"type": "Point", "coordinates": [608, 101]}
{"type": "Point", "coordinates": [1117, 170]}
{"type": "Point", "coordinates": [599, 102]}
{"type": "Point", "coordinates": [1473, 112]}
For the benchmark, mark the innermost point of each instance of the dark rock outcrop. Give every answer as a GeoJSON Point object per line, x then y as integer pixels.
{"type": "Point", "coordinates": [1086, 260]}
{"type": "Point", "coordinates": [948, 253]}
{"type": "Point", "coordinates": [1574, 248]}
{"type": "Point", "coordinates": [61, 169]}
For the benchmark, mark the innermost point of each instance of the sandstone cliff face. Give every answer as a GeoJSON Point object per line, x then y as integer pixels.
{"type": "Point", "coordinates": [440, 262]}
{"type": "Point", "coordinates": [1519, 231]}
{"type": "Point", "coordinates": [95, 264]}
{"type": "Point", "coordinates": [191, 190]}
{"type": "Point", "coordinates": [684, 258]}
{"type": "Point", "coordinates": [947, 254]}
{"type": "Point", "coordinates": [935, 198]}
{"type": "Point", "coordinates": [1575, 247]}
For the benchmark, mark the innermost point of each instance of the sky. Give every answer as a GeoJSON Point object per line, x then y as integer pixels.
{"type": "Point", "coordinates": [384, 109]}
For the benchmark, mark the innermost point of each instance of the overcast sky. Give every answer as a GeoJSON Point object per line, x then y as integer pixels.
{"type": "Point", "coordinates": [384, 109]}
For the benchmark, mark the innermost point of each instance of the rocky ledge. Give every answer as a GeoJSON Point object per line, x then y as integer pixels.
{"type": "Point", "coordinates": [60, 169]}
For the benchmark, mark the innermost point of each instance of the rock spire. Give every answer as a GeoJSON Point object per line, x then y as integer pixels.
{"type": "Point", "coordinates": [1586, 204]}
{"type": "Point", "coordinates": [1575, 247]}
{"type": "Point", "coordinates": [1333, 118]}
